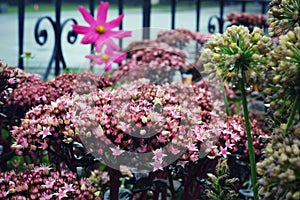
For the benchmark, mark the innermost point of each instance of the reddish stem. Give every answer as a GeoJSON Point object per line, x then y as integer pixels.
{"type": "Point", "coordinates": [114, 183]}
{"type": "Point", "coordinates": [170, 177]}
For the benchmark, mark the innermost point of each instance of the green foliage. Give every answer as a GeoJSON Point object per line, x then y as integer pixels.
{"type": "Point", "coordinates": [221, 185]}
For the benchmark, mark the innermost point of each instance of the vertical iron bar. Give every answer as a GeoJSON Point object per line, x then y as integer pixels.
{"type": "Point", "coordinates": [173, 10]}
{"type": "Point", "coordinates": [92, 7]}
{"type": "Point", "coordinates": [120, 7]}
{"type": "Point", "coordinates": [198, 7]}
{"type": "Point", "coordinates": [244, 6]}
{"type": "Point", "coordinates": [92, 11]}
{"type": "Point", "coordinates": [263, 7]}
{"type": "Point", "coordinates": [21, 15]}
{"type": "Point", "coordinates": [221, 20]}
{"type": "Point", "coordinates": [58, 51]}
{"type": "Point", "coordinates": [146, 18]}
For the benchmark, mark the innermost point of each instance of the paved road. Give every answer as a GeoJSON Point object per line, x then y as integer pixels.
{"type": "Point", "coordinates": [74, 54]}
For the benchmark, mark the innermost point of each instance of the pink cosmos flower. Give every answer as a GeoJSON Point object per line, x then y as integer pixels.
{"type": "Point", "coordinates": [100, 32]}
{"type": "Point", "coordinates": [106, 58]}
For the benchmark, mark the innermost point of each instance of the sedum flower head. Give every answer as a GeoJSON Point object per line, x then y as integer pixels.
{"type": "Point", "coordinates": [42, 182]}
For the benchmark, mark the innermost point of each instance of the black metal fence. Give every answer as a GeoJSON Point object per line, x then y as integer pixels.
{"type": "Point", "coordinates": [216, 22]}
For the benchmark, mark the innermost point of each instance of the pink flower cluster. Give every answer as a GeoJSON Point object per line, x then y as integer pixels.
{"type": "Point", "coordinates": [45, 125]}
{"type": "Point", "coordinates": [100, 33]}
{"type": "Point", "coordinates": [33, 91]}
{"type": "Point", "coordinates": [140, 117]}
{"type": "Point", "coordinates": [247, 19]}
{"type": "Point", "coordinates": [233, 139]}
{"type": "Point", "coordinates": [10, 78]}
{"type": "Point", "coordinates": [43, 183]}
{"type": "Point", "coordinates": [179, 37]}
{"type": "Point", "coordinates": [154, 63]}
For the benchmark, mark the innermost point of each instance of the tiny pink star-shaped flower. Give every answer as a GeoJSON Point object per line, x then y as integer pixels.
{"type": "Point", "coordinates": [45, 132]}
{"type": "Point", "coordinates": [44, 145]}
{"type": "Point", "coordinates": [201, 135]}
{"type": "Point", "coordinates": [235, 137]}
{"type": "Point", "coordinates": [61, 193]}
{"type": "Point", "coordinates": [237, 127]}
{"type": "Point", "coordinates": [49, 184]}
{"type": "Point", "coordinates": [100, 32]}
{"type": "Point", "coordinates": [223, 152]}
{"type": "Point", "coordinates": [228, 144]}
{"type": "Point", "coordinates": [158, 154]}
{"type": "Point", "coordinates": [107, 58]}
{"type": "Point", "coordinates": [157, 165]}
{"type": "Point", "coordinates": [68, 187]}
{"type": "Point", "coordinates": [46, 196]}
{"type": "Point", "coordinates": [191, 146]}
{"type": "Point", "coordinates": [117, 151]}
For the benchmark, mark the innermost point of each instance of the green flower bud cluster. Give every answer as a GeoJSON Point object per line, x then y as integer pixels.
{"type": "Point", "coordinates": [283, 16]}
{"type": "Point", "coordinates": [280, 169]}
{"type": "Point", "coordinates": [236, 50]}
{"type": "Point", "coordinates": [283, 77]}
{"type": "Point", "coordinates": [221, 186]}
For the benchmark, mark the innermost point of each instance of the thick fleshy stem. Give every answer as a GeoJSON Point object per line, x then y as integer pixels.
{"type": "Point", "coordinates": [172, 189]}
{"type": "Point", "coordinates": [249, 137]}
{"type": "Point", "coordinates": [114, 183]}
{"type": "Point", "coordinates": [294, 108]}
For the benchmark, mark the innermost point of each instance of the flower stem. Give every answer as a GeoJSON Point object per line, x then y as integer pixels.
{"type": "Point", "coordinates": [225, 99]}
{"type": "Point", "coordinates": [249, 138]}
{"type": "Point", "coordinates": [292, 114]}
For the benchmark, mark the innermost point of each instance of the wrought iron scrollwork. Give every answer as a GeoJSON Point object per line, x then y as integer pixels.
{"type": "Point", "coordinates": [72, 36]}
{"type": "Point", "coordinates": [41, 37]}
{"type": "Point", "coordinates": [42, 34]}
{"type": "Point", "coordinates": [212, 27]}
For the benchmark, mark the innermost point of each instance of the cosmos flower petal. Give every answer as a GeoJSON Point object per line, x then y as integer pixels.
{"type": "Point", "coordinates": [107, 67]}
{"type": "Point", "coordinates": [102, 12]}
{"type": "Point", "coordinates": [120, 57]}
{"type": "Point", "coordinates": [115, 22]}
{"type": "Point", "coordinates": [86, 15]}
{"type": "Point", "coordinates": [80, 29]}
{"type": "Point", "coordinates": [120, 34]}
{"type": "Point", "coordinates": [89, 38]}
{"type": "Point", "coordinates": [90, 56]}
{"type": "Point", "coordinates": [111, 45]}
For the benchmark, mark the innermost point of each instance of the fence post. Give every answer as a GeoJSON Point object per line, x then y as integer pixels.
{"type": "Point", "coordinates": [173, 11]}
{"type": "Point", "coordinates": [58, 51]}
{"type": "Point", "coordinates": [21, 15]}
{"type": "Point", "coordinates": [221, 19]}
{"type": "Point", "coordinates": [146, 18]}
{"type": "Point", "coordinates": [198, 7]}
{"type": "Point", "coordinates": [120, 7]}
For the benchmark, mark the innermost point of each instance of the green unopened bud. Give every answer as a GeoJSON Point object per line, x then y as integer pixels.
{"type": "Point", "coordinates": [83, 187]}
{"type": "Point", "coordinates": [291, 35]}
{"type": "Point", "coordinates": [97, 194]}
{"type": "Point", "coordinates": [296, 195]}
{"type": "Point", "coordinates": [276, 79]}
{"type": "Point", "coordinates": [144, 119]}
{"type": "Point", "coordinates": [255, 56]}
